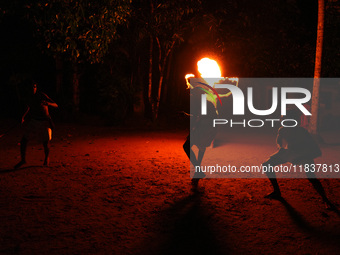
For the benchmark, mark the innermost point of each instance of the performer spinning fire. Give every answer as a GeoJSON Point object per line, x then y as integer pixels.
{"type": "Point", "coordinates": [202, 132]}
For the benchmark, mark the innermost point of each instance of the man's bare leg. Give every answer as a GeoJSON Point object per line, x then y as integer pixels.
{"type": "Point", "coordinates": [23, 146]}
{"type": "Point", "coordinates": [319, 188]}
{"type": "Point", "coordinates": [47, 153]}
{"type": "Point", "coordinates": [190, 153]}
{"type": "Point", "coordinates": [276, 194]}
{"type": "Point", "coordinates": [198, 175]}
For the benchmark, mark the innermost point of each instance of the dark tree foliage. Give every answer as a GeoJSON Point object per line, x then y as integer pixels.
{"type": "Point", "coordinates": [77, 31]}
{"type": "Point", "coordinates": [80, 30]}
{"type": "Point", "coordinates": [259, 38]}
{"type": "Point", "coordinates": [123, 56]}
{"type": "Point", "coordinates": [331, 56]}
{"type": "Point", "coordinates": [163, 25]}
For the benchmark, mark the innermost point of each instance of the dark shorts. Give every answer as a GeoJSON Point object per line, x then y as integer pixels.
{"type": "Point", "coordinates": [203, 133]}
{"type": "Point", "coordinates": [39, 130]}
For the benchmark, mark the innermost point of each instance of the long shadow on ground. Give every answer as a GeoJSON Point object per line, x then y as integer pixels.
{"type": "Point", "coordinates": [10, 170]}
{"type": "Point", "coordinates": [329, 236]}
{"type": "Point", "coordinates": [187, 229]}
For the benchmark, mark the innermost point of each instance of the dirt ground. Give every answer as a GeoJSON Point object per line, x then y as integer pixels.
{"type": "Point", "coordinates": [116, 191]}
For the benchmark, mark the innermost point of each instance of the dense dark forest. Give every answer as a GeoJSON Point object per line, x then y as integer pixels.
{"type": "Point", "coordinates": [124, 58]}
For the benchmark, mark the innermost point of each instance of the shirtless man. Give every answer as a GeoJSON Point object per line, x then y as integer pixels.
{"type": "Point", "coordinates": [38, 123]}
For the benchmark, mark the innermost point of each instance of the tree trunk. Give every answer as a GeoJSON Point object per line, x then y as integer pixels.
{"type": "Point", "coordinates": [59, 74]}
{"type": "Point", "coordinates": [313, 126]}
{"type": "Point", "coordinates": [149, 103]}
{"type": "Point", "coordinates": [160, 83]}
{"type": "Point", "coordinates": [149, 106]}
{"type": "Point", "coordinates": [75, 84]}
{"type": "Point", "coordinates": [140, 108]}
{"type": "Point", "coordinates": [161, 67]}
{"type": "Point", "coordinates": [167, 79]}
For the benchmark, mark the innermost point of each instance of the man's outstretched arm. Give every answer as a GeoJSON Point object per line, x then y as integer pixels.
{"type": "Point", "coordinates": [23, 116]}
{"type": "Point", "coordinates": [279, 141]}
{"type": "Point", "coordinates": [52, 104]}
{"type": "Point", "coordinates": [49, 102]}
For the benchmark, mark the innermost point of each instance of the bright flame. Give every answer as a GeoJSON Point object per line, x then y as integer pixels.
{"type": "Point", "coordinates": [187, 76]}
{"type": "Point", "coordinates": [234, 79]}
{"type": "Point", "coordinates": [208, 68]}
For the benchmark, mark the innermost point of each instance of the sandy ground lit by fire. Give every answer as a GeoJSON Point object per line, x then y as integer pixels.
{"type": "Point", "coordinates": [116, 191]}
